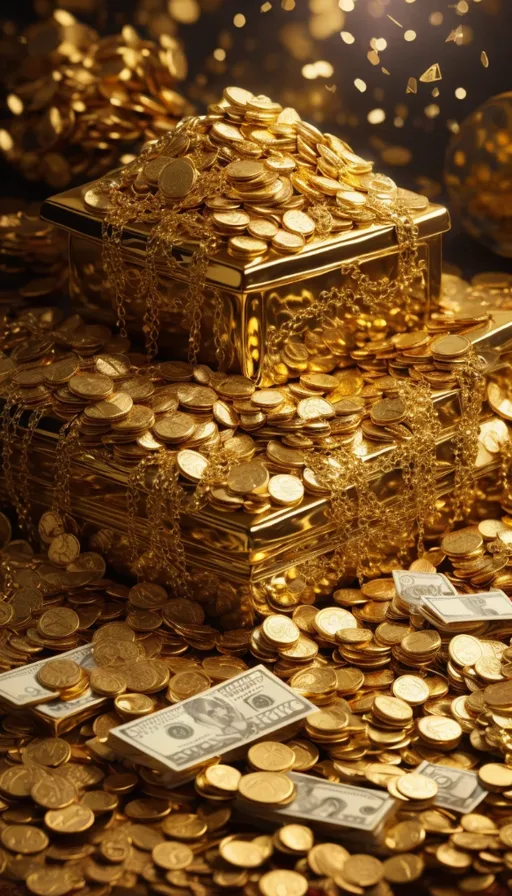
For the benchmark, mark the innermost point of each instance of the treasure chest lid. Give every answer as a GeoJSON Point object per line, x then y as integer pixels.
{"type": "Point", "coordinates": [68, 211]}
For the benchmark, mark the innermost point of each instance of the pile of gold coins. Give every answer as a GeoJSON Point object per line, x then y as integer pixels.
{"type": "Point", "coordinates": [262, 178]}
{"type": "Point", "coordinates": [33, 255]}
{"type": "Point", "coordinates": [83, 372]}
{"type": "Point", "coordinates": [79, 101]}
{"type": "Point", "coordinates": [390, 696]}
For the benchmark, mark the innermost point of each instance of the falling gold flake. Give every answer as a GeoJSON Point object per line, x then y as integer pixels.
{"type": "Point", "coordinates": [462, 7]}
{"type": "Point", "coordinates": [385, 71]}
{"type": "Point", "coordinates": [436, 18]}
{"type": "Point", "coordinates": [287, 5]}
{"type": "Point", "coordinates": [453, 126]}
{"type": "Point", "coordinates": [346, 5]}
{"type": "Point", "coordinates": [239, 20]}
{"type": "Point", "coordinates": [432, 111]}
{"type": "Point", "coordinates": [435, 92]}
{"type": "Point", "coordinates": [186, 12]}
{"type": "Point", "coordinates": [347, 37]}
{"type": "Point", "coordinates": [376, 116]}
{"type": "Point", "coordinates": [219, 54]}
{"type": "Point", "coordinates": [373, 57]}
{"type": "Point", "coordinates": [391, 19]}
{"type": "Point", "coordinates": [6, 141]}
{"type": "Point", "coordinates": [461, 93]}
{"type": "Point", "coordinates": [410, 34]}
{"type": "Point", "coordinates": [433, 73]}
{"type": "Point", "coordinates": [455, 36]}
{"type": "Point", "coordinates": [15, 104]}
{"type": "Point", "coordinates": [360, 84]}
{"type": "Point", "coordinates": [412, 86]}
{"type": "Point", "coordinates": [484, 59]}
{"type": "Point", "coordinates": [265, 7]}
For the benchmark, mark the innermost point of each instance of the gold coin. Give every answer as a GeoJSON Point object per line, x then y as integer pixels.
{"type": "Point", "coordinates": [296, 837]}
{"type": "Point", "coordinates": [299, 222]}
{"type": "Point", "coordinates": [187, 684]}
{"type": "Point", "coordinates": [451, 346]}
{"type": "Point", "coordinates": [266, 788]}
{"type": "Point", "coordinates": [416, 787]}
{"type": "Point", "coordinates": [99, 801]}
{"type": "Point", "coordinates": [495, 776]}
{"type": "Point", "coordinates": [184, 826]}
{"type": "Point", "coordinates": [177, 178]}
{"type": "Point", "coordinates": [392, 709]}
{"type": "Point", "coordinates": [172, 855]}
{"type": "Point", "coordinates": [464, 650]}
{"type": "Point", "coordinates": [58, 622]}
{"type": "Point", "coordinates": [48, 881]}
{"type": "Point", "coordinates": [248, 478]}
{"type": "Point", "coordinates": [64, 549]}
{"type": "Point", "coordinates": [91, 386]}
{"type": "Point", "coordinates": [53, 792]}
{"type": "Point", "coordinates": [108, 682]}
{"type": "Point", "coordinates": [282, 882]}
{"type": "Point", "coordinates": [411, 689]}
{"type": "Point", "coordinates": [462, 542]}
{"type": "Point", "coordinates": [403, 868]}
{"type": "Point", "coordinates": [241, 853]}
{"type": "Point", "coordinates": [439, 731]}
{"type": "Point", "coordinates": [222, 777]}
{"type": "Point", "coordinates": [262, 228]}
{"type": "Point", "coordinates": [271, 756]}
{"type": "Point", "coordinates": [280, 631]}
{"type": "Point", "coordinates": [328, 621]}
{"type": "Point", "coordinates": [57, 674]}
{"type": "Point", "coordinates": [287, 242]}
{"type": "Point", "coordinates": [363, 870]}
{"type": "Point", "coordinates": [174, 428]}
{"type": "Point", "coordinates": [72, 819]}
{"type": "Point", "coordinates": [24, 839]}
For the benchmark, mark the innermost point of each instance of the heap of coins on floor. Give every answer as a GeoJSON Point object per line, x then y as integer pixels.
{"type": "Point", "coordinates": [79, 102]}
{"type": "Point", "coordinates": [400, 713]}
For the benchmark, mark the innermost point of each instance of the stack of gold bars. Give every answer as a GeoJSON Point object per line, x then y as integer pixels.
{"type": "Point", "coordinates": [260, 598]}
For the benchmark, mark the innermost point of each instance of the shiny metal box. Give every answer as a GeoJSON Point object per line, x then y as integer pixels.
{"type": "Point", "coordinates": [246, 302]}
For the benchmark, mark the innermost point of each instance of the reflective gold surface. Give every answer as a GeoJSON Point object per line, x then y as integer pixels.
{"type": "Point", "coordinates": [254, 297]}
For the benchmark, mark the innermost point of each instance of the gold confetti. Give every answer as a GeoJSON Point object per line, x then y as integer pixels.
{"type": "Point", "coordinates": [391, 19]}
{"type": "Point", "coordinates": [373, 57]}
{"type": "Point", "coordinates": [412, 86]}
{"type": "Point", "coordinates": [484, 59]}
{"type": "Point", "coordinates": [432, 74]}
{"type": "Point", "coordinates": [385, 71]}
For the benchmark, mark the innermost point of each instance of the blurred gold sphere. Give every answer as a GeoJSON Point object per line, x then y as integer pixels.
{"type": "Point", "coordinates": [478, 174]}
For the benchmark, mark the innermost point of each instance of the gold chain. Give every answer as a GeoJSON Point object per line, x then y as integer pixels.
{"type": "Point", "coordinates": [68, 443]}
{"type": "Point", "coordinates": [471, 381]}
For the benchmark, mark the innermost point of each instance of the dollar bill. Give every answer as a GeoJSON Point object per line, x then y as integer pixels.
{"type": "Point", "coordinates": [252, 705]}
{"type": "Point", "coordinates": [20, 687]}
{"type": "Point", "coordinates": [412, 586]}
{"type": "Point", "coordinates": [339, 805]}
{"type": "Point", "coordinates": [457, 788]}
{"type": "Point", "coordinates": [487, 606]}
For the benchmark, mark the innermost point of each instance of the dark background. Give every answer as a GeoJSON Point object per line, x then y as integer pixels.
{"type": "Point", "coordinates": [279, 38]}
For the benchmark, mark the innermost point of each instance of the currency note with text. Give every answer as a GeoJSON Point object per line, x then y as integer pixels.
{"type": "Point", "coordinates": [252, 705]}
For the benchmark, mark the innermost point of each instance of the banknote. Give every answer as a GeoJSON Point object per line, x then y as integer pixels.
{"type": "Point", "coordinates": [20, 687]}
{"type": "Point", "coordinates": [486, 606]}
{"type": "Point", "coordinates": [250, 706]}
{"type": "Point", "coordinates": [339, 805]}
{"type": "Point", "coordinates": [457, 788]}
{"type": "Point", "coordinates": [412, 586]}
